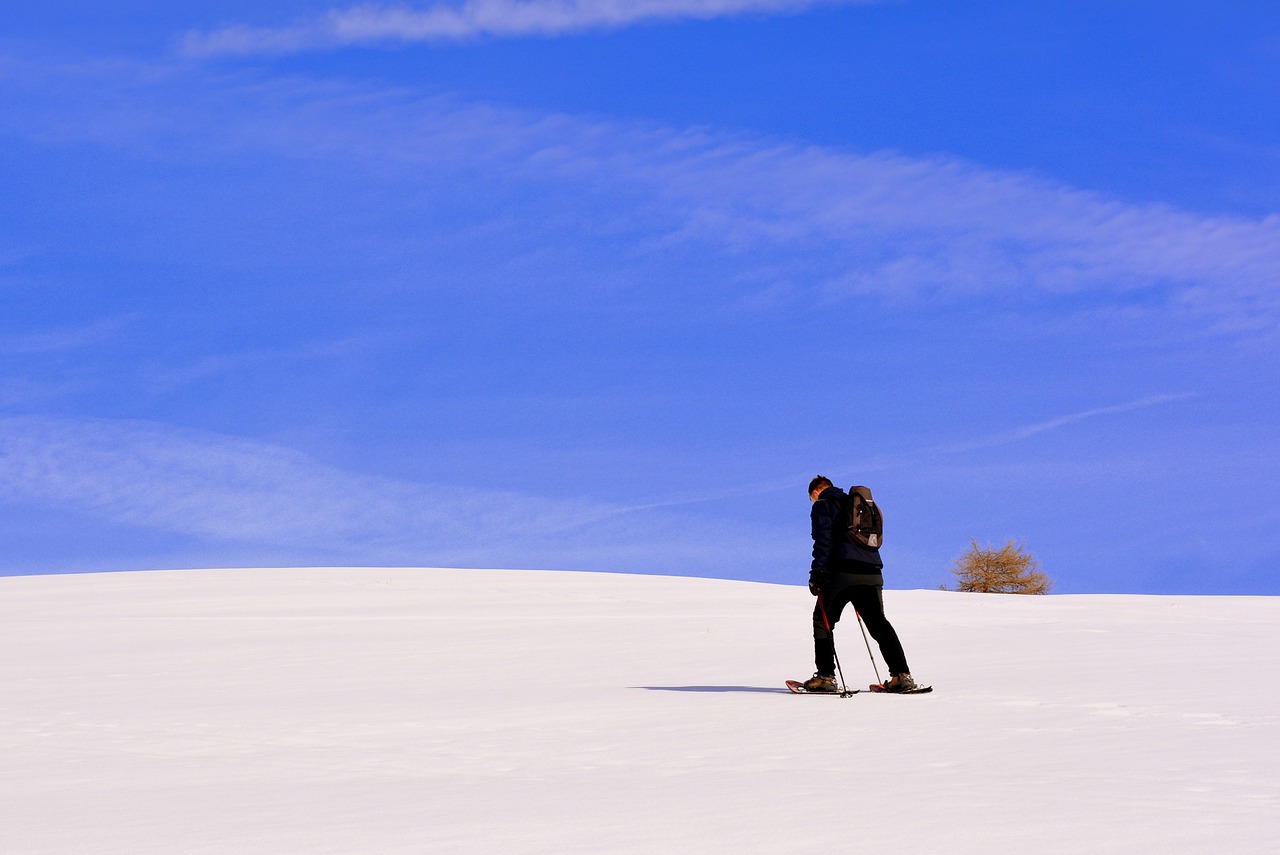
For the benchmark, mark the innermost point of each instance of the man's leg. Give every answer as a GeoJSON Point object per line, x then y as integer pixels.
{"type": "Point", "coordinates": [824, 641]}
{"type": "Point", "coordinates": [869, 601]}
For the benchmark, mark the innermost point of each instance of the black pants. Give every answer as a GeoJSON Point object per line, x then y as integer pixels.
{"type": "Point", "coordinates": [869, 602]}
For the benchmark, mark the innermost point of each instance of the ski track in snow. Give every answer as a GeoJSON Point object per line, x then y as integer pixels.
{"type": "Point", "coordinates": [399, 710]}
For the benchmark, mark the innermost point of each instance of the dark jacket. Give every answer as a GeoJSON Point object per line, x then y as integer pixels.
{"type": "Point", "coordinates": [833, 554]}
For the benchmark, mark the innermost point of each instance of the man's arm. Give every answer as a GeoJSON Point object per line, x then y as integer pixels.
{"type": "Point", "coordinates": [822, 519]}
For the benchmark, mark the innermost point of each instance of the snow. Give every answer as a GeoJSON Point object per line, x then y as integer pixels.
{"type": "Point", "coordinates": [403, 710]}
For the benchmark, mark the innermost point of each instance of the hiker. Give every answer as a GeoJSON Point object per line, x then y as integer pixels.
{"type": "Point", "coordinates": [845, 571]}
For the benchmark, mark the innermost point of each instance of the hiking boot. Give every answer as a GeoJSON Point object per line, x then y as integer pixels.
{"type": "Point", "coordinates": [820, 683]}
{"type": "Point", "coordinates": [900, 683]}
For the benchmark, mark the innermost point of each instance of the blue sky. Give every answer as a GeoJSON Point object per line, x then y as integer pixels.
{"type": "Point", "coordinates": [601, 285]}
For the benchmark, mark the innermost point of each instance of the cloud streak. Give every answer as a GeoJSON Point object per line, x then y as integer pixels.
{"type": "Point", "coordinates": [779, 220]}
{"type": "Point", "coordinates": [374, 23]}
{"type": "Point", "coordinates": [227, 488]}
{"type": "Point", "coordinates": [1028, 431]}
{"type": "Point", "coordinates": [62, 339]}
{"type": "Point", "coordinates": [239, 492]}
{"type": "Point", "coordinates": [900, 461]}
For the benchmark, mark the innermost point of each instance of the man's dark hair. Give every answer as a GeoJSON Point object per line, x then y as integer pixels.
{"type": "Point", "coordinates": [821, 481]}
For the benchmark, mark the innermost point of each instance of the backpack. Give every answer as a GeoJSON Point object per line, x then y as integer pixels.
{"type": "Point", "coordinates": [866, 523]}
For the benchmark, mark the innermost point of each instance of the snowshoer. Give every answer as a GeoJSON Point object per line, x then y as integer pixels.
{"type": "Point", "coordinates": [844, 572]}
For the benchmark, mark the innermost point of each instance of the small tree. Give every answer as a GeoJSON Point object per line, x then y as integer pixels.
{"type": "Point", "coordinates": [1007, 570]}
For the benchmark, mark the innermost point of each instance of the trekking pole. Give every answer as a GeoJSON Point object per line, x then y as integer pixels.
{"type": "Point", "coordinates": [868, 643]}
{"type": "Point", "coordinates": [844, 687]}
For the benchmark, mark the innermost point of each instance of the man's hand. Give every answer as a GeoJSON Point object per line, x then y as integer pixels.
{"type": "Point", "coordinates": [816, 581]}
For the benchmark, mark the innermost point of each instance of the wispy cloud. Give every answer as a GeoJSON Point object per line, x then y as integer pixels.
{"type": "Point", "coordinates": [899, 461]}
{"type": "Point", "coordinates": [788, 221]}
{"type": "Point", "coordinates": [375, 23]}
{"type": "Point", "coordinates": [231, 490]}
{"type": "Point", "coordinates": [63, 338]}
{"type": "Point", "coordinates": [212, 485]}
{"type": "Point", "coordinates": [1027, 431]}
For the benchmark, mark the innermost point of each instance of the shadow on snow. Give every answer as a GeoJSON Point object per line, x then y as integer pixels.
{"type": "Point", "coordinates": [715, 689]}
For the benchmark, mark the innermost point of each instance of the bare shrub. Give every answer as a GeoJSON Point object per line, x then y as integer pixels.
{"type": "Point", "coordinates": [1007, 570]}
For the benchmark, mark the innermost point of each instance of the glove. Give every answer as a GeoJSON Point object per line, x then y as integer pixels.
{"type": "Point", "coordinates": [816, 581]}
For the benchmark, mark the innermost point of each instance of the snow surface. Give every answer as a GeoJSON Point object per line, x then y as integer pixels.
{"type": "Point", "coordinates": [376, 710]}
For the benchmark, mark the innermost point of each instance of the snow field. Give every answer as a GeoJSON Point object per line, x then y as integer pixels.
{"type": "Point", "coordinates": [402, 710]}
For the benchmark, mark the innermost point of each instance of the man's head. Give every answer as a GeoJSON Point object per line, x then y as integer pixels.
{"type": "Point", "coordinates": [817, 485]}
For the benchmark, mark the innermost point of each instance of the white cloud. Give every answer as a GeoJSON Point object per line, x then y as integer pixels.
{"type": "Point", "coordinates": [909, 226]}
{"type": "Point", "coordinates": [1028, 431]}
{"type": "Point", "coordinates": [373, 23]}
{"type": "Point", "coordinates": [64, 338]}
{"type": "Point", "coordinates": [913, 459]}
{"type": "Point", "coordinates": [774, 217]}
{"type": "Point", "coordinates": [230, 490]}
{"type": "Point", "coordinates": [223, 487]}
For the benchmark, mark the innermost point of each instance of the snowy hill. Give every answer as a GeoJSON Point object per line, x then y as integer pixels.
{"type": "Point", "coordinates": [371, 710]}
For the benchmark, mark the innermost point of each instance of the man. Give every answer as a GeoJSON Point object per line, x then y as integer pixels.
{"type": "Point", "coordinates": [843, 573]}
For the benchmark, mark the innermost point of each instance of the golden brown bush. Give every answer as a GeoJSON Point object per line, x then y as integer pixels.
{"type": "Point", "coordinates": [1007, 570]}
